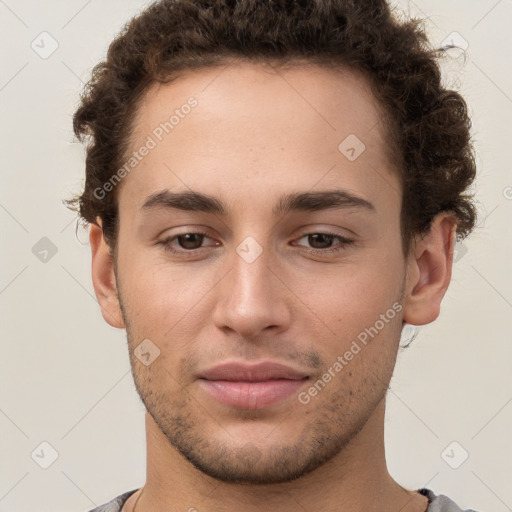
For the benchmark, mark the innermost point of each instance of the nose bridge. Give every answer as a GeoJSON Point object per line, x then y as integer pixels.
{"type": "Point", "coordinates": [250, 271]}
{"type": "Point", "coordinates": [250, 298]}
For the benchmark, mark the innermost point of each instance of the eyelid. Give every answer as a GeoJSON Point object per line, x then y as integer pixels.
{"type": "Point", "coordinates": [343, 244]}
{"type": "Point", "coordinates": [186, 230]}
{"type": "Point", "coordinates": [167, 241]}
{"type": "Point", "coordinates": [329, 233]}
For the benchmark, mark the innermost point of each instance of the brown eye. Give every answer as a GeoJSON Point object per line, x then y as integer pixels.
{"type": "Point", "coordinates": [322, 240]}
{"type": "Point", "coordinates": [190, 240]}
{"type": "Point", "coordinates": [322, 243]}
{"type": "Point", "coordinates": [187, 243]}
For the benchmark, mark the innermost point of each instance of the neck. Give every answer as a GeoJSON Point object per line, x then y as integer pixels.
{"type": "Point", "coordinates": [356, 479]}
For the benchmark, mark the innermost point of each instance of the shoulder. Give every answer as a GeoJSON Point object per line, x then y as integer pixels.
{"type": "Point", "coordinates": [116, 504]}
{"type": "Point", "coordinates": [441, 503]}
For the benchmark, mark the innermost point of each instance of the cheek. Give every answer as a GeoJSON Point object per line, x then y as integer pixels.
{"type": "Point", "coordinates": [354, 300]}
{"type": "Point", "coordinates": [164, 300]}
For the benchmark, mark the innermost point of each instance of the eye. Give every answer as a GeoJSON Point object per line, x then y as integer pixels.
{"type": "Point", "coordinates": [187, 242]}
{"type": "Point", "coordinates": [322, 242]}
{"type": "Point", "coordinates": [190, 243]}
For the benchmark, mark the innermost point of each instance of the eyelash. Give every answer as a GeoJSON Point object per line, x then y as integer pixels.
{"type": "Point", "coordinates": [345, 243]}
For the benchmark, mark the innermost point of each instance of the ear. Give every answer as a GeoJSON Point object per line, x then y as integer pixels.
{"type": "Point", "coordinates": [429, 270]}
{"type": "Point", "coordinates": [103, 277]}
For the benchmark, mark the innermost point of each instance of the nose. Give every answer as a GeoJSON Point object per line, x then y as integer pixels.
{"type": "Point", "coordinates": [252, 298]}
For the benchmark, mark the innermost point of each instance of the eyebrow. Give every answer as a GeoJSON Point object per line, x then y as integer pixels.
{"type": "Point", "coordinates": [298, 201]}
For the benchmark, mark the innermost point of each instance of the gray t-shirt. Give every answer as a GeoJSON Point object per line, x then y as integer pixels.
{"type": "Point", "coordinates": [439, 503]}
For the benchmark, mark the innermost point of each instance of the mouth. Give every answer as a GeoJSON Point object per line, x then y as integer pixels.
{"type": "Point", "coordinates": [251, 386]}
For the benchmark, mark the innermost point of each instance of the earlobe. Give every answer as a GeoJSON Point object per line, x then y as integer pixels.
{"type": "Point", "coordinates": [429, 270]}
{"type": "Point", "coordinates": [103, 277]}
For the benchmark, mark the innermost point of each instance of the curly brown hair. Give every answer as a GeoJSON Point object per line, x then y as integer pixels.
{"type": "Point", "coordinates": [428, 125]}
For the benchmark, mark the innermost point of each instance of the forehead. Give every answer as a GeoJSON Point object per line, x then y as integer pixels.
{"type": "Point", "coordinates": [244, 124]}
{"type": "Point", "coordinates": [325, 99]}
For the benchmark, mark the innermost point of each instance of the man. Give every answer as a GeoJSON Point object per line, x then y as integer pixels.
{"type": "Point", "coordinates": [274, 189]}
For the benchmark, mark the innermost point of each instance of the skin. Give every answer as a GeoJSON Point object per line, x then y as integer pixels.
{"type": "Point", "coordinates": [256, 134]}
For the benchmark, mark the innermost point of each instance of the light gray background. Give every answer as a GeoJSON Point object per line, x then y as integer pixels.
{"type": "Point", "coordinates": [66, 374]}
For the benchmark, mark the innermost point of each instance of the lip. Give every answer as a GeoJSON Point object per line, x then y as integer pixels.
{"type": "Point", "coordinates": [265, 370]}
{"type": "Point", "coordinates": [251, 386]}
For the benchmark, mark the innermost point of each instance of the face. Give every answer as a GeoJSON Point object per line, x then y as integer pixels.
{"type": "Point", "coordinates": [294, 257]}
